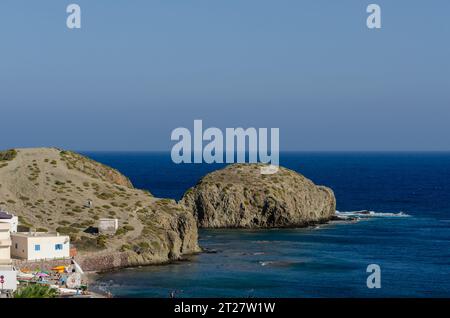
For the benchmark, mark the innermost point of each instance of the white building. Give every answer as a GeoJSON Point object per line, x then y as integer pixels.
{"type": "Point", "coordinates": [12, 220]}
{"type": "Point", "coordinates": [5, 244]}
{"type": "Point", "coordinates": [34, 246]}
{"type": "Point", "coordinates": [108, 225]}
{"type": "Point", "coordinates": [8, 276]}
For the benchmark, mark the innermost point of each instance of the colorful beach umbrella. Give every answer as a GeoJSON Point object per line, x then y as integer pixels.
{"type": "Point", "coordinates": [42, 275]}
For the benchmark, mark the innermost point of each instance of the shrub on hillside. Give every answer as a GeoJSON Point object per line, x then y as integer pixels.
{"type": "Point", "coordinates": [8, 155]}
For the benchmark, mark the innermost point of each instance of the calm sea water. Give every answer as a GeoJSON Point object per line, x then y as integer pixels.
{"type": "Point", "coordinates": [329, 261]}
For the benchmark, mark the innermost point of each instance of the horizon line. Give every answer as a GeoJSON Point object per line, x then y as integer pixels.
{"type": "Point", "coordinates": [281, 151]}
{"type": "Point", "coordinates": [286, 151]}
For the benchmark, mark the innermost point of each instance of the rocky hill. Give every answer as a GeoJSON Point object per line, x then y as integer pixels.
{"type": "Point", "coordinates": [239, 196]}
{"type": "Point", "coordinates": [49, 190]}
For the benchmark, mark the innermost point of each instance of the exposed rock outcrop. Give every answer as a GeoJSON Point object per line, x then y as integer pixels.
{"type": "Point", "coordinates": [239, 196]}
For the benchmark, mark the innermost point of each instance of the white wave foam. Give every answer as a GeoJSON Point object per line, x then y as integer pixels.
{"type": "Point", "coordinates": [369, 214]}
{"type": "Point", "coordinates": [266, 263]}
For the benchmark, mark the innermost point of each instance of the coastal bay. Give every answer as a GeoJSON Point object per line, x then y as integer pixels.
{"type": "Point", "coordinates": [408, 230]}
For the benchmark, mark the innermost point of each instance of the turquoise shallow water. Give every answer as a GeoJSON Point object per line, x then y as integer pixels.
{"type": "Point", "coordinates": [326, 261]}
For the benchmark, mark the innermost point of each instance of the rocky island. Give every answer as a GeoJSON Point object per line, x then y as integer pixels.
{"type": "Point", "coordinates": [239, 196]}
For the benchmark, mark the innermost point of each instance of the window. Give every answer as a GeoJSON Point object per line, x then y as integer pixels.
{"type": "Point", "coordinates": [16, 246]}
{"type": "Point", "coordinates": [37, 247]}
{"type": "Point", "coordinates": [58, 247]}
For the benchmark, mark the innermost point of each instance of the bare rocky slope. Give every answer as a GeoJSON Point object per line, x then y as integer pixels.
{"type": "Point", "coordinates": [239, 196]}
{"type": "Point", "coordinates": [49, 189]}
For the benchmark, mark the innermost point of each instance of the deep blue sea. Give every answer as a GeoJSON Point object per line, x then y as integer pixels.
{"type": "Point", "coordinates": [412, 251]}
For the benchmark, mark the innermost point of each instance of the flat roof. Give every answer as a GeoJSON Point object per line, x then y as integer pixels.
{"type": "Point", "coordinates": [37, 234]}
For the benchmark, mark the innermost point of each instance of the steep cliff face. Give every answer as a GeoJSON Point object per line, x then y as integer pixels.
{"type": "Point", "coordinates": [239, 196]}
{"type": "Point", "coordinates": [49, 190]}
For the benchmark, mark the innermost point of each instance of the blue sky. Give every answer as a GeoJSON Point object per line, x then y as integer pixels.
{"type": "Point", "coordinates": [138, 69]}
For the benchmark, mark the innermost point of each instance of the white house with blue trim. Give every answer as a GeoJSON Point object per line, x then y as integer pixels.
{"type": "Point", "coordinates": [35, 246]}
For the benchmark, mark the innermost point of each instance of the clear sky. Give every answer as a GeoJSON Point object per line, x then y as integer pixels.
{"type": "Point", "coordinates": [138, 69]}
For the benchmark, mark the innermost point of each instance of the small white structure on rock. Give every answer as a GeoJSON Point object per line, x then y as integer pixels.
{"type": "Point", "coordinates": [34, 246]}
{"type": "Point", "coordinates": [108, 226]}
